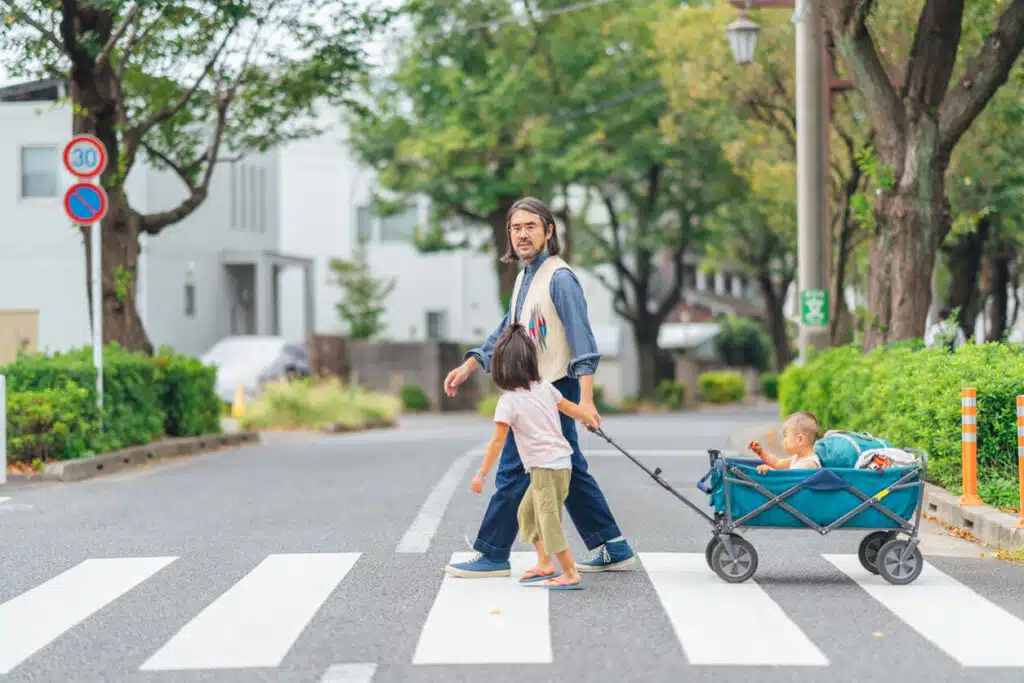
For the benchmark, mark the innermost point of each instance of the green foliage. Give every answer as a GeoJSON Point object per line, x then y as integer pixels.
{"type": "Point", "coordinates": [741, 342]}
{"type": "Point", "coordinates": [911, 396]}
{"type": "Point", "coordinates": [49, 423]}
{"type": "Point", "coordinates": [487, 405]}
{"type": "Point", "coordinates": [670, 393]}
{"type": "Point", "coordinates": [304, 403]}
{"type": "Point", "coordinates": [722, 387]}
{"type": "Point", "coordinates": [414, 398]}
{"type": "Point", "coordinates": [187, 393]}
{"type": "Point", "coordinates": [362, 304]}
{"type": "Point", "coordinates": [770, 385]}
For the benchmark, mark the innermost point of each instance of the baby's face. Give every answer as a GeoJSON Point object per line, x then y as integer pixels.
{"type": "Point", "coordinates": [792, 440]}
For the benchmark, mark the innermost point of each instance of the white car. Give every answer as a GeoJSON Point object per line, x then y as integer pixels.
{"type": "Point", "coordinates": [248, 361]}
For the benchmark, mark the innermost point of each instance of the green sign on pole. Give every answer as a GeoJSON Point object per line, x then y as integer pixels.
{"type": "Point", "coordinates": [814, 307]}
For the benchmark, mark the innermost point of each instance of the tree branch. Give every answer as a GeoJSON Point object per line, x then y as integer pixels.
{"type": "Point", "coordinates": [130, 18]}
{"type": "Point", "coordinates": [19, 14]}
{"type": "Point", "coordinates": [985, 73]}
{"type": "Point", "coordinates": [933, 53]}
{"type": "Point", "coordinates": [78, 55]}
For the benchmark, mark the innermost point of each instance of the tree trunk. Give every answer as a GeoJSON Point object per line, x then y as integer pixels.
{"type": "Point", "coordinates": [963, 260]}
{"type": "Point", "coordinates": [841, 323]}
{"type": "Point", "coordinates": [507, 272]}
{"type": "Point", "coordinates": [119, 236]}
{"type": "Point", "coordinates": [645, 334]}
{"type": "Point", "coordinates": [775, 303]}
{"type": "Point", "coordinates": [999, 282]}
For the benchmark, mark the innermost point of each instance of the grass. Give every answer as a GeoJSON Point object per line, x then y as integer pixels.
{"type": "Point", "coordinates": [305, 404]}
{"type": "Point", "coordinates": [1011, 555]}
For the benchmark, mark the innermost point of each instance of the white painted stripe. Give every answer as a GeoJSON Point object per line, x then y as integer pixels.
{"type": "Point", "coordinates": [349, 673]}
{"type": "Point", "coordinates": [969, 628]}
{"type": "Point", "coordinates": [649, 453]}
{"type": "Point", "coordinates": [969, 437]}
{"type": "Point", "coordinates": [487, 620]}
{"type": "Point", "coordinates": [705, 612]}
{"type": "Point", "coordinates": [419, 534]}
{"type": "Point", "coordinates": [258, 619]}
{"type": "Point", "coordinates": [4, 499]}
{"type": "Point", "coordinates": [37, 617]}
{"type": "Point", "coordinates": [969, 419]}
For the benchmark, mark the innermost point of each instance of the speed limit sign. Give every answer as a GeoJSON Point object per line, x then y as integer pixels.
{"type": "Point", "coordinates": [85, 156]}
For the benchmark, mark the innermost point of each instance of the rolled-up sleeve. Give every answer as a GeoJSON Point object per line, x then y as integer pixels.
{"type": "Point", "coordinates": [571, 305]}
{"type": "Point", "coordinates": [483, 353]}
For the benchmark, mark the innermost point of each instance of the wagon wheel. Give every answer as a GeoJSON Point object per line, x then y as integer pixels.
{"type": "Point", "coordinates": [711, 548]}
{"type": "Point", "coordinates": [899, 571]}
{"type": "Point", "coordinates": [867, 553]}
{"type": "Point", "coordinates": [734, 569]}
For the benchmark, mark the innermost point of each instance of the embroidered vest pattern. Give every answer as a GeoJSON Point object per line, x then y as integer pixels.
{"type": "Point", "coordinates": [539, 317]}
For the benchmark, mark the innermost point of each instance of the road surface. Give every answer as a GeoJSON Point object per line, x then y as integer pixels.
{"type": "Point", "coordinates": [319, 558]}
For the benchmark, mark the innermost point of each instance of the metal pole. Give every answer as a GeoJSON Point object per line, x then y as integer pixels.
{"type": "Point", "coordinates": [97, 313]}
{"type": "Point", "coordinates": [812, 257]}
{"type": "Point", "coordinates": [3, 428]}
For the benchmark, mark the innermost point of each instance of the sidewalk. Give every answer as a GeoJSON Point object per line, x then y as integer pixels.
{"type": "Point", "coordinates": [988, 525]}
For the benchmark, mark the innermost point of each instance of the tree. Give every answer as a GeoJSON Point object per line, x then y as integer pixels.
{"type": "Point", "coordinates": [180, 82]}
{"type": "Point", "coordinates": [917, 127]}
{"type": "Point", "coordinates": [362, 304]}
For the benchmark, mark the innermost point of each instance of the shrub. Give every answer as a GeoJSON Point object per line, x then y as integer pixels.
{"type": "Point", "coordinates": [187, 394]}
{"type": "Point", "coordinates": [770, 385]}
{"type": "Point", "coordinates": [742, 342]}
{"type": "Point", "coordinates": [670, 393]}
{"type": "Point", "coordinates": [722, 387]}
{"type": "Point", "coordinates": [414, 398]}
{"type": "Point", "coordinates": [911, 396]}
{"type": "Point", "coordinates": [486, 405]}
{"type": "Point", "coordinates": [304, 403]}
{"type": "Point", "coordinates": [49, 423]}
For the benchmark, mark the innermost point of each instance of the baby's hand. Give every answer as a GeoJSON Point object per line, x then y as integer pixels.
{"type": "Point", "coordinates": [755, 446]}
{"type": "Point", "coordinates": [477, 486]}
{"type": "Point", "coordinates": [763, 469]}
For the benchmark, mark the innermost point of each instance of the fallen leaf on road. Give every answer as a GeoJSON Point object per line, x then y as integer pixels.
{"type": "Point", "coordinates": [878, 634]}
{"type": "Point", "coordinates": [495, 611]}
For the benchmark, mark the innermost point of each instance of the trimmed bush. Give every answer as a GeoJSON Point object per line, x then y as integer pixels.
{"type": "Point", "coordinates": [911, 396]}
{"type": "Point", "coordinates": [414, 398]}
{"type": "Point", "coordinates": [770, 385]}
{"type": "Point", "coordinates": [304, 403]}
{"type": "Point", "coordinates": [670, 393]}
{"type": "Point", "coordinates": [47, 424]}
{"type": "Point", "coordinates": [722, 387]}
{"type": "Point", "coordinates": [187, 393]}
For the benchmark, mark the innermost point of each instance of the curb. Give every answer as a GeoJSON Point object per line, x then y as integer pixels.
{"type": "Point", "coordinates": [115, 461]}
{"type": "Point", "coordinates": [990, 526]}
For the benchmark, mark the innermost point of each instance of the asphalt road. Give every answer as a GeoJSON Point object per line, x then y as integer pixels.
{"type": "Point", "coordinates": [319, 559]}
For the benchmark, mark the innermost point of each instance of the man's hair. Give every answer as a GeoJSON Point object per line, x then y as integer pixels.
{"type": "Point", "coordinates": [944, 313]}
{"type": "Point", "coordinates": [539, 209]}
{"type": "Point", "coordinates": [804, 422]}
{"type": "Point", "coordinates": [514, 362]}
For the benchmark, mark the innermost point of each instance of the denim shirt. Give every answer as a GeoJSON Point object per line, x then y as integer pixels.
{"type": "Point", "coordinates": [571, 305]}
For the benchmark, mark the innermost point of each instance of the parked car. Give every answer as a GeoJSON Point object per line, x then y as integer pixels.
{"type": "Point", "coordinates": [249, 361]}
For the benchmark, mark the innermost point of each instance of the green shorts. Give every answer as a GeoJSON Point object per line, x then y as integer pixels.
{"type": "Point", "coordinates": [540, 512]}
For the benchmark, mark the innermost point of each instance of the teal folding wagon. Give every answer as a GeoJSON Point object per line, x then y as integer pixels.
{"type": "Point", "coordinates": [883, 502]}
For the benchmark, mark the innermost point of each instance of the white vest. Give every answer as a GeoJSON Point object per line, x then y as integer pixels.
{"type": "Point", "coordinates": [541, 320]}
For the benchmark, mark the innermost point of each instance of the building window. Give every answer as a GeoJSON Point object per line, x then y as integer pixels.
{"type": "Point", "coordinates": [38, 172]}
{"type": "Point", "coordinates": [364, 224]}
{"type": "Point", "coordinates": [400, 227]}
{"type": "Point", "coordinates": [190, 300]}
{"type": "Point", "coordinates": [436, 325]}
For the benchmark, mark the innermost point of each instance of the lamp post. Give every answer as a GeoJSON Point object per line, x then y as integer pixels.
{"type": "Point", "coordinates": [815, 88]}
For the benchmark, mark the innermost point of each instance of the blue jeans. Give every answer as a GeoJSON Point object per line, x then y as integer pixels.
{"type": "Point", "coordinates": [585, 503]}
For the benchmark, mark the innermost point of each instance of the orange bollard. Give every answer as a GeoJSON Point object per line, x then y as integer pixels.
{"type": "Point", "coordinates": [1020, 457]}
{"type": "Point", "coordinates": [969, 441]}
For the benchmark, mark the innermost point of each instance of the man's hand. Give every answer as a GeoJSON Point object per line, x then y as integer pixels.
{"type": "Point", "coordinates": [590, 415]}
{"type": "Point", "coordinates": [477, 485]}
{"type": "Point", "coordinates": [458, 376]}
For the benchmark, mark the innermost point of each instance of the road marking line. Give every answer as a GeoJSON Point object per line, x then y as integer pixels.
{"type": "Point", "coordinates": [4, 499]}
{"type": "Point", "coordinates": [969, 628]}
{"type": "Point", "coordinates": [488, 620]}
{"type": "Point", "coordinates": [37, 617]}
{"type": "Point", "coordinates": [349, 673]}
{"type": "Point", "coordinates": [419, 534]}
{"type": "Point", "coordinates": [648, 453]}
{"type": "Point", "coordinates": [703, 610]}
{"type": "Point", "coordinates": [257, 620]}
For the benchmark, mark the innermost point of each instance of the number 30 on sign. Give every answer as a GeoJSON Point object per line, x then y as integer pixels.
{"type": "Point", "coordinates": [85, 156]}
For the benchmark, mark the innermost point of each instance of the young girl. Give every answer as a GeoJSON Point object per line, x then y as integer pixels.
{"type": "Point", "coordinates": [530, 406]}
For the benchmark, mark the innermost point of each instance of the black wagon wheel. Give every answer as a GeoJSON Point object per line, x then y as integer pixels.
{"type": "Point", "coordinates": [711, 548]}
{"type": "Point", "coordinates": [867, 552]}
{"type": "Point", "coordinates": [894, 568]}
{"type": "Point", "coordinates": [734, 569]}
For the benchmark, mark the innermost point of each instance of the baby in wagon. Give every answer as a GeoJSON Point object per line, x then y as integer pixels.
{"type": "Point", "coordinates": [799, 433]}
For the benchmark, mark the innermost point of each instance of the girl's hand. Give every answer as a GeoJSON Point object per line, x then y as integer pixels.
{"type": "Point", "coordinates": [478, 484]}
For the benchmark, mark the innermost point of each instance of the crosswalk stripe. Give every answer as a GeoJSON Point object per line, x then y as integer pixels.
{"type": "Point", "coordinates": [4, 499]}
{"type": "Point", "coordinates": [969, 628]}
{"type": "Point", "coordinates": [487, 621]}
{"type": "Point", "coordinates": [37, 617]}
{"type": "Point", "coordinates": [704, 610]}
{"type": "Point", "coordinates": [257, 620]}
{"type": "Point", "coordinates": [349, 673]}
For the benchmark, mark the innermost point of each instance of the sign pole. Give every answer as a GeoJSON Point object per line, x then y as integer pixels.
{"type": "Point", "coordinates": [85, 202]}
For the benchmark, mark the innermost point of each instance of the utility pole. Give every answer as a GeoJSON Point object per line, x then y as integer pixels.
{"type": "Point", "coordinates": [812, 176]}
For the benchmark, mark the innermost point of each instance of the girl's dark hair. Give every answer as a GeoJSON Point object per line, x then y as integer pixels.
{"type": "Point", "coordinates": [514, 362]}
{"type": "Point", "coordinates": [539, 209]}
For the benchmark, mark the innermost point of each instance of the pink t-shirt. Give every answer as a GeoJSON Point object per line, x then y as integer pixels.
{"type": "Point", "coordinates": [534, 418]}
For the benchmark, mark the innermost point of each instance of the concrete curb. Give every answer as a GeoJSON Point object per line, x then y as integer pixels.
{"type": "Point", "coordinates": [990, 526]}
{"type": "Point", "coordinates": [115, 461]}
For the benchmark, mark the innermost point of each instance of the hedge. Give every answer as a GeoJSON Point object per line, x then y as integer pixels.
{"type": "Point", "coordinates": [144, 398]}
{"type": "Point", "coordinates": [911, 396]}
{"type": "Point", "coordinates": [723, 386]}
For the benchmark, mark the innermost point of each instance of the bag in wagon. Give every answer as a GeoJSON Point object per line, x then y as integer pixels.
{"type": "Point", "coordinates": [842, 449]}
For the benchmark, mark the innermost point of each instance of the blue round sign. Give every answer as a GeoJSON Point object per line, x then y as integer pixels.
{"type": "Point", "coordinates": [85, 203]}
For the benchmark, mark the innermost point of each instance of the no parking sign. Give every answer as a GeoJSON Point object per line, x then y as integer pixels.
{"type": "Point", "coordinates": [86, 202]}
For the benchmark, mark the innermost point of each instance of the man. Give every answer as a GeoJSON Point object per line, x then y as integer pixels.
{"type": "Point", "coordinates": [549, 302]}
{"type": "Point", "coordinates": [945, 333]}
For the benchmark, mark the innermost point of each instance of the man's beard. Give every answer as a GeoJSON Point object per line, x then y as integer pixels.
{"type": "Point", "coordinates": [527, 250]}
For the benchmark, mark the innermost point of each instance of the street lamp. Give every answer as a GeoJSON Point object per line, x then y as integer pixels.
{"type": "Point", "coordinates": [742, 35]}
